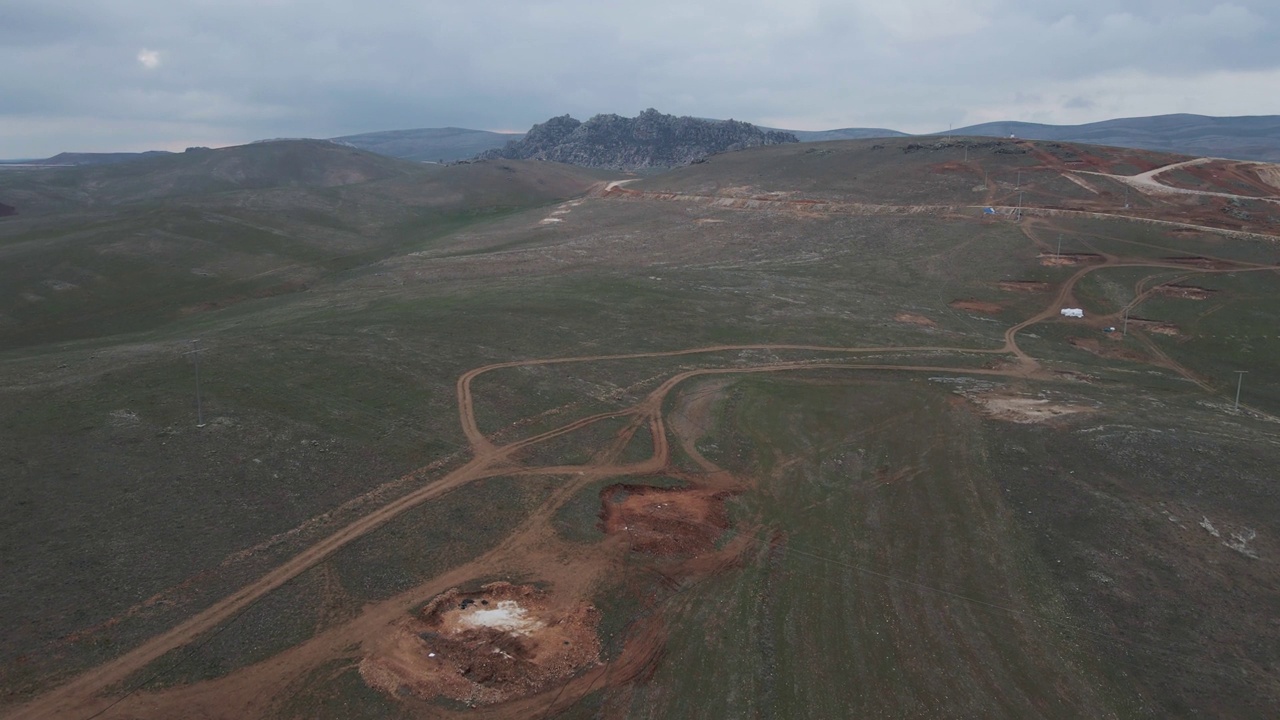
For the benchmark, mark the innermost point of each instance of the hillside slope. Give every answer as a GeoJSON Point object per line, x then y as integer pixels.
{"type": "Point", "coordinates": [97, 250]}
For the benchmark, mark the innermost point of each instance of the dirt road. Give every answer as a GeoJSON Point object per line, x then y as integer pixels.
{"type": "Point", "coordinates": [1147, 182]}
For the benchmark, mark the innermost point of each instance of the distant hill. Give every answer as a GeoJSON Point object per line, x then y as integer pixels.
{"type": "Point", "coordinates": [429, 144]}
{"type": "Point", "coordinates": [842, 134]}
{"type": "Point", "coordinates": [649, 140]}
{"type": "Point", "coordinates": [199, 171]}
{"type": "Point", "coordinates": [76, 159]}
{"type": "Point", "coordinates": [1240, 138]}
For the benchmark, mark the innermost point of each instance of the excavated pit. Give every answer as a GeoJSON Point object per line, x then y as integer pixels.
{"type": "Point", "coordinates": [664, 521]}
{"type": "Point", "coordinates": [480, 648]}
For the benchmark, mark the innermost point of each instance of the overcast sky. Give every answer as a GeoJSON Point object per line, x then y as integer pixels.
{"type": "Point", "coordinates": [99, 75]}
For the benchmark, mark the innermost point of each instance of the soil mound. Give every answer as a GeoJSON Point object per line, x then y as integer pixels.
{"type": "Point", "coordinates": [664, 521]}
{"type": "Point", "coordinates": [480, 648]}
{"type": "Point", "coordinates": [1106, 351]}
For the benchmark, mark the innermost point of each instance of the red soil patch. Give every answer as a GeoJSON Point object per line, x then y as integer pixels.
{"type": "Point", "coordinates": [1032, 286]}
{"type": "Point", "coordinates": [480, 648]}
{"type": "Point", "coordinates": [1070, 259]}
{"type": "Point", "coordinates": [664, 521]}
{"type": "Point", "coordinates": [1227, 176]}
{"type": "Point", "coordinates": [986, 308]}
{"type": "Point", "coordinates": [1187, 292]}
{"type": "Point", "coordinates": [914, 319]}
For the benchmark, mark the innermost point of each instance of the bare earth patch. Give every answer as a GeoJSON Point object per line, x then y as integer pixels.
{"type": "Point", "coordinates": [979, 306]}
{"type": "Point", "coordinates": [1107, 351]}
{"type": "Point", "coordinates": [504, 642]}
{"type": "Point", "coordinates": [1070, 259]}
{"type": "Point", "coordinates": [1024, 410]}
{"type": "Point", "coordinates": [664, 521]}
{"type": "Point", "coordinates": [912, 318]}
{"type": "Point", "coordinates": [1030, 286]}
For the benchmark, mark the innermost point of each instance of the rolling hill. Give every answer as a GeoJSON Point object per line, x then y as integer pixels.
{"type": "Point", "coordinates": [107, 248]}
{"type": "Point", "coordinates": [429, 144]}
{"type": "Point", "coordinates": [1241, 138]}
{"type": "Point", "coordinates": [799, 431]}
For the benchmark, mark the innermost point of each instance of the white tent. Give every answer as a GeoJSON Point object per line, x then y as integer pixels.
{"type": "Point", "coordinates": [1073, 312]}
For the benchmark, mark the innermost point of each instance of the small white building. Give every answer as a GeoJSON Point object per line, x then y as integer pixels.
{"type": "Point", "coordinates": [1073, 312]}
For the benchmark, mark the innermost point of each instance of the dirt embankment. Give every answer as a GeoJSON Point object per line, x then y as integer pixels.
{"type": "Point", "coordinates": [1186, 292]}
{"type": "Point", "coordinates": [480, 648]}
{"type": "Point", "coordinates": [1155, 326]}
{"type": "Point", "coordinates": [1202, 263]}
{"type": "Point", "coordinates": [978, 306]}
{"type": "Point", "coordinates": [1027, 286]}
{"type": "Point", "coordinates": [1070, 259]}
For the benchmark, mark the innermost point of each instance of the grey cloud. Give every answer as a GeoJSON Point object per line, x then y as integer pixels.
{"type": "Point", "coordinates": [242, 69]}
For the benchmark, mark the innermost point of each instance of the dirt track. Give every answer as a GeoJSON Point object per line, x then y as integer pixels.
{"type": "Point", "coordinates": [1147, 182]}
{"type": "Point", "coordinates": [82, 696]}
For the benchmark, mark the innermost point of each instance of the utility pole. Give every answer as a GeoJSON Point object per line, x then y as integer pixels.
{"type": "Point", "coordinates": [1126, 197]}
{"type": "Point", "coordinates": [1059, 244]}
{"type": "Point", "coordinates": [1019, 181]}
{"type": "Point", "coordinates": [195, 351]}
{"type": "Point", "coordinates": [1239, 382]}
{"type": "Point", "coordinates": [1019, 204]}
{"type": "Point", "coordinates": [1125, 332]}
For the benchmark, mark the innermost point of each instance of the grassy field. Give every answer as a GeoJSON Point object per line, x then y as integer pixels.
{"type": "Point", "coordinates": [894, 550]}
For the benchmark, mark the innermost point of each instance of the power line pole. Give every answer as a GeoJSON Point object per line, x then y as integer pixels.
{"type": "Point", "coordinates": [195, 352]}
{"type": "Point", "coordinates": [1125, 332]}
{"type": "Point", "coordinates": [1019, 205]}
{"type": "Point", "coordinates": [1239, 382]}
{"type": "Point", "coordinates": [1059, 244]}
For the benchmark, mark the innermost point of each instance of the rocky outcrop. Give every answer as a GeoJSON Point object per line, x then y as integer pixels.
{"type": "Point", "coordinates": [650, 139]}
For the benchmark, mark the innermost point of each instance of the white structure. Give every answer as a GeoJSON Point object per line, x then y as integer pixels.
{"type": "Point", "coordinates": [1073, 312]}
